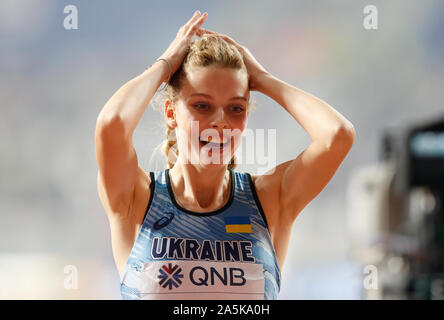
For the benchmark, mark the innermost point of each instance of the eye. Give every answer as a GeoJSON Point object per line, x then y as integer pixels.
{"type": "Point", "coordinates": [201, 106]}
{"type": "Point", "coordinates": [237, 109]}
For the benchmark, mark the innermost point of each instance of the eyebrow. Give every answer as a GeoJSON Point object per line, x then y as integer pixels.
{"type": "Point", "coordinates": [210, 97]}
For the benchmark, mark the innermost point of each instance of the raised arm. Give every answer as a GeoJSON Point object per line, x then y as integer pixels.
{"type": "Point", "coordinates": [303, 178]}
{"type": "Point", "coordinates": [116, 156]}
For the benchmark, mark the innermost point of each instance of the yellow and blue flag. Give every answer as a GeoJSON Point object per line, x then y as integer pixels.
{"type": "Point", "coordinates": [238, 224]}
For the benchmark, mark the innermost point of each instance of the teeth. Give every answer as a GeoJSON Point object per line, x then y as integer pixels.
{"type": "Point", "coordinates": [213, 142]}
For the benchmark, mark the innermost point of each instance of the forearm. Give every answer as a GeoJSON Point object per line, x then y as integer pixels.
{"type": "Point", "coordinates": [319, 120]}
{"type": "Point", "coordinates": [129, 102]}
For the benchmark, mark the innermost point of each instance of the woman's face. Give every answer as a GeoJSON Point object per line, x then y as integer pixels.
{"type": "Point", "coordinates": [212, 106]}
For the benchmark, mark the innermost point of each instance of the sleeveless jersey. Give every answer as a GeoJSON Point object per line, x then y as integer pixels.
{"type": "Point", "coordinates": [223, 254]}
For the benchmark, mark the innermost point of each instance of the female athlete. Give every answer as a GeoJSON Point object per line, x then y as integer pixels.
{"type": "Point", "coordinates": [199, 229]}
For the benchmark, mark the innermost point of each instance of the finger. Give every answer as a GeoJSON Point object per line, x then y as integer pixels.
{"type": "Point", "coordinates": [195, 16]}
{"type": "Point", "coordinates": [223, 36]}
{"type": "Point", "coordinates": [199, 22]}
{"type": "Point", "coordinates": [214, 33]}
{"type": "Point", "coordinates": [208, 31]}
{"type": "Point", "coordinates": [205, 32]}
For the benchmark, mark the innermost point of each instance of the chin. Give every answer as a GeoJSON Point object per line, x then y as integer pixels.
{"type": "Point", "coordinates": [211, 163]}
{"type": "Point", "coordinates": [213, 166]}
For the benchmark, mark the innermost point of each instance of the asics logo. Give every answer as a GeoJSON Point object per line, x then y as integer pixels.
{"type": "Point", "coordinates": [164, 221]}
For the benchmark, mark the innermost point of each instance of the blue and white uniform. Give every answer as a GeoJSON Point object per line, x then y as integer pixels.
{"type": "Point", "coordinates": [223, 254]}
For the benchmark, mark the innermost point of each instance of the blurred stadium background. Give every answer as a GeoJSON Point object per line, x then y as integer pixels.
{"type": "Point", "coordinates": [388, 82]}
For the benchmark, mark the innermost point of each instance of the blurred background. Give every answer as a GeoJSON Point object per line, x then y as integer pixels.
{"type": "Point", "coordinates": [375, 232]}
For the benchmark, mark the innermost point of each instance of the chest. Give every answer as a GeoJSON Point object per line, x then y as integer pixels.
{"type": "Point", "coordinates": [207, 257]}
{"type": "Point", "coordinates": [171, 225]}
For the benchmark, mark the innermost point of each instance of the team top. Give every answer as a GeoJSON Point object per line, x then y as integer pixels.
{"type": "Point", "coordinates": [223, 254]}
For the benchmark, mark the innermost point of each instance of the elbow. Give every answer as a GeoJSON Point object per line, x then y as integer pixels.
{"type": "Point", "coordinates": [343, 137]}
{"type": "Point", "coordinates": [349, 132]}
{"type": "Point", "coordinates": [109, 126]}
{"type": "Point", "coordinates": [106, 119]}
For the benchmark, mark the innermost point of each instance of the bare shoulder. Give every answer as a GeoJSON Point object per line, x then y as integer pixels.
{"type": "Point", "coordinates": [271, 180]}
{"type": "Point", "coordinates": [269, 190]}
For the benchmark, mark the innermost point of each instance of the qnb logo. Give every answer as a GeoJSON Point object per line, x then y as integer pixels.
{"type": "Point", "coordinates": [164, 221]}
{"type": "Point", "coordinates": [170, 276]}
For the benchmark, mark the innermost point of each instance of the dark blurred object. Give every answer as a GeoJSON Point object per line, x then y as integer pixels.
{"type": "Point", "coordinates": [418, 154]}
{"type": "Point", "coordinates": [397, 225]}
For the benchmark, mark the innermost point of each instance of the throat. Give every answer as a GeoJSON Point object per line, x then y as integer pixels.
{"type": "Point", "coordinates": [204, 201]}
{"type": "Point", "coordinates": [197, 198]}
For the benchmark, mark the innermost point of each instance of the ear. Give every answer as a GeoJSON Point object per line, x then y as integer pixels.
{"type": "Point", "coordinates": [170, 114]}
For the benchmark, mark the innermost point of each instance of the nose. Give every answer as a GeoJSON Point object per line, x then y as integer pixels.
{"type": "Point", "coordinates": [219, 120]}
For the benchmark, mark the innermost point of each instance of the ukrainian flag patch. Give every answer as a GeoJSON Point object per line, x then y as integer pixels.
{"type": "Point", "coordinates": [238, 224]}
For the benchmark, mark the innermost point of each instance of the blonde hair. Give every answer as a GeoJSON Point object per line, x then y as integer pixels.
{"type": "Point", "coordinates": [206, 51]}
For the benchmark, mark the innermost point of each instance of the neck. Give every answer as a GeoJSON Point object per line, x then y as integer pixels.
{"type": "Point", "coordinates": [200, 189]}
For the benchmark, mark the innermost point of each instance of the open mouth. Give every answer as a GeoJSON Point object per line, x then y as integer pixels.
{"type": "Point", "coordinates": [210, 144]}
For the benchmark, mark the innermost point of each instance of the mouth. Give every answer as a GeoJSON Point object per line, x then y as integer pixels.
{"type": "Point", "coordinates": [213, 145]}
